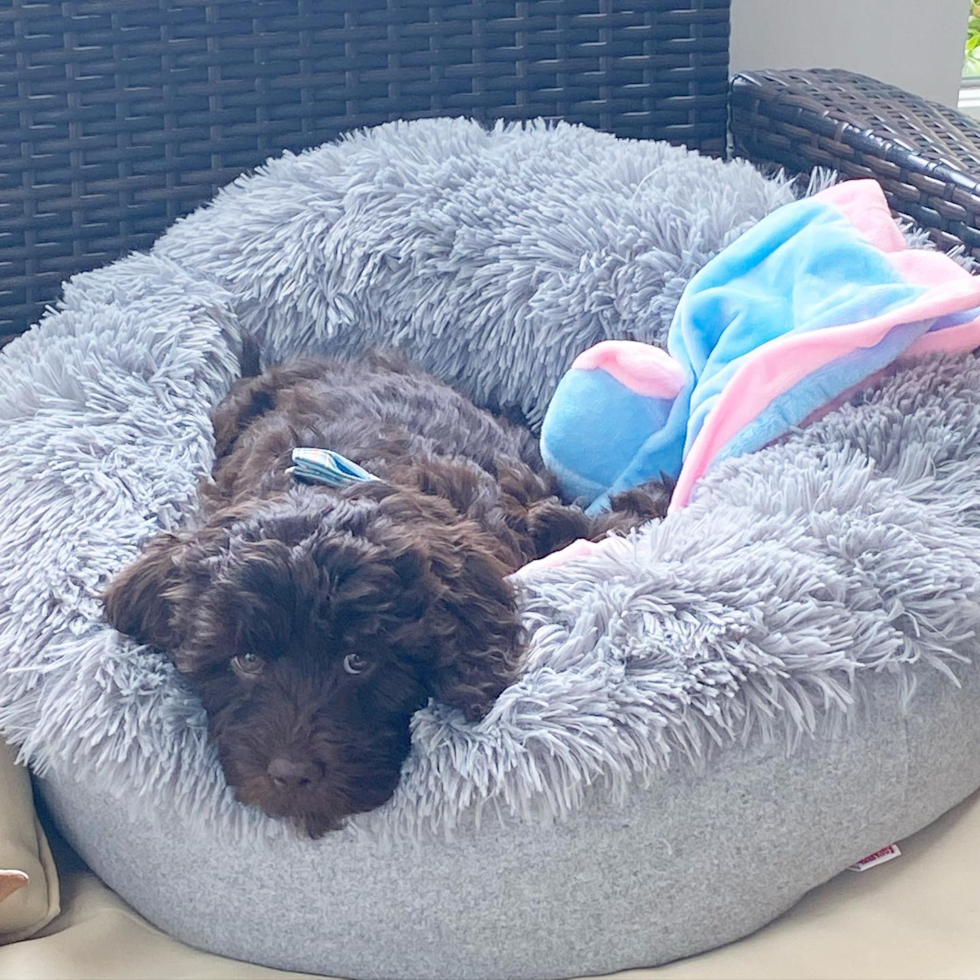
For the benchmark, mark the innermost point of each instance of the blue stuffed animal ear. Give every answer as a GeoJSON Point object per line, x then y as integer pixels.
{"type": "Point", "coordinates": [614, 417]}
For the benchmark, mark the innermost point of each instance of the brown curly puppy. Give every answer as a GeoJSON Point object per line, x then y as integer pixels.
{"type": "Point", "coordinates": [313, 622]}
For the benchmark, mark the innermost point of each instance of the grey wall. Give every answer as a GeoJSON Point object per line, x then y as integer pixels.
{"type": "Point", "coordinates": [916, 44]}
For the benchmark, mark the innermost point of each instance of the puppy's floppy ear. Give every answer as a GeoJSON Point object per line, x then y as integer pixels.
{"type": "Point", "coordinates": [468, 635]}
{"type": "Point", "coordinates": [553, 525]}
{"type": "Point", "coordinates": [473, 624]}
{"type": "Point", "coordinates": [138, 601]}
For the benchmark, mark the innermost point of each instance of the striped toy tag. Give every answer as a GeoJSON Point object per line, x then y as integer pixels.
{"type": "Point", "coordinates": [326, 467]}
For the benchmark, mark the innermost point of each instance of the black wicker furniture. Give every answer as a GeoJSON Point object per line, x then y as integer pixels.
{"type": "Point", "coordinates": [925, 155]}
{"type": "Point", "coordinates": [116, 118]}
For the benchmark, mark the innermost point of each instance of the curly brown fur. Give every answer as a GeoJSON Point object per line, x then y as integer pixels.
{"type": "Point", "coordinates": [314, 622]}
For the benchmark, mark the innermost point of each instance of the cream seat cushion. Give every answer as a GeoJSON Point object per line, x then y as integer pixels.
{"type": "Point", "coordinates": [28, 878]}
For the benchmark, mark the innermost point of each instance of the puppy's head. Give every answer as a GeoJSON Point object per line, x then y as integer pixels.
{"type": "Point", "coordinates": [314, 626]}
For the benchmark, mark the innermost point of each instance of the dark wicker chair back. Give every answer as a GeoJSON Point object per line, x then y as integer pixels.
{"type": "Point", "coordinates": [117, 117]}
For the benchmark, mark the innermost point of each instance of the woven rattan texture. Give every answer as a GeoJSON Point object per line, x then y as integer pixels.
{"type": "Point", "coordinates": [926, 156]}
{"type": "Point", "coordinates": [117, 116]}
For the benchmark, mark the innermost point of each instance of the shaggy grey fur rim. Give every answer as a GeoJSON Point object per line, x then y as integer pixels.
{"type": "Point", "coordinates": [493, 258]}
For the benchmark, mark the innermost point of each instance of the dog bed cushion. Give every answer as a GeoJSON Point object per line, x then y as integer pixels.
{"type": "Point", "coordinates": [716, 715]}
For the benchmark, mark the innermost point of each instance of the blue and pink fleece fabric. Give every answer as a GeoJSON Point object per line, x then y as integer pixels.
{"type": "Point", "coordinates": [788, 321]}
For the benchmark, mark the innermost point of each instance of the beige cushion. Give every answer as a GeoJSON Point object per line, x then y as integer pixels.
{"type": "Point", "coordinates": [29, 896]}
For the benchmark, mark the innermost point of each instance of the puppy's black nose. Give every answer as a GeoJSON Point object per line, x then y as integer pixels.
{"type": "Point", "coordinates": [288, 774]}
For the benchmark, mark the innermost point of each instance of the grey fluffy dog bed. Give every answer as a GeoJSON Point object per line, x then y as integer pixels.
{"type": "Point", "coordinates": [722, 713]}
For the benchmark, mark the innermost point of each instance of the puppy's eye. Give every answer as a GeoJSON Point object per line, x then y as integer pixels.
{"type": "Point", "coordinates": [355, 664]}
{"type": "Point", "coordinates": [248, 663]}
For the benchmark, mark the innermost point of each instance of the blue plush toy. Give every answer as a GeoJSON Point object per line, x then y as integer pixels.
{"type": "Point", "coordinates": [615, 421]}
{"type": "Point", "coordinates": [805, 307]}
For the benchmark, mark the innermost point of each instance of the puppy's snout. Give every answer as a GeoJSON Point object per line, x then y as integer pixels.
{"type": "Point", "coordinates": [290, 774]}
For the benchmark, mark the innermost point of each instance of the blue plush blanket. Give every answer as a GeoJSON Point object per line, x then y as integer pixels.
{"type": "Point", "coordinates": [809, 304]}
